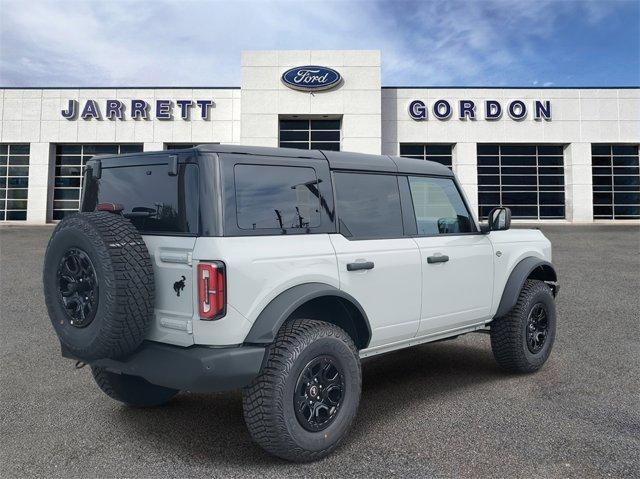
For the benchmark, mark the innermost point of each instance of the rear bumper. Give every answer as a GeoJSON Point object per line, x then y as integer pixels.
{"type": "Point", "coordinates": [196, 368]}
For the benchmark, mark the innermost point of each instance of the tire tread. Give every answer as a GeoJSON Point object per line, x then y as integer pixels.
{"type": "Point", "coordinates": [128, 279]}
{"type": "Point", "coordinates": [262, 400]}
{"type": "Point", "coordinates": [506, 332]}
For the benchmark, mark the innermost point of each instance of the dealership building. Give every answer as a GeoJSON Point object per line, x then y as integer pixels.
{"type": "Point", "coordinates": [550, 154]}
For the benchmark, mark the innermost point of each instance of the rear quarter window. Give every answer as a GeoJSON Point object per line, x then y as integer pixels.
{"type": "Point", "coordinates": [276, 197]}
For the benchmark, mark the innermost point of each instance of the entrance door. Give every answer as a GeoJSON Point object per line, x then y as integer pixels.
{"type": "Point", "coordinates": [457, 260]}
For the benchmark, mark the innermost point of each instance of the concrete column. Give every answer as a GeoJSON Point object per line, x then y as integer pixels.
{"type": "Point", "coordinates": [41, 169]}
{"type": "Point", "coordinates": [153, 146]}
{"type": "Point", "coordinates": [465, 166]}
{"type": "Point", "coordinates": [578, 183]}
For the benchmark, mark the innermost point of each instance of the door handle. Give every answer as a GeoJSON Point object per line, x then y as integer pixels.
{"type": "Point", "coordinates": [441, 258]}
{"type": "Point", "coordinates": [360, 265]}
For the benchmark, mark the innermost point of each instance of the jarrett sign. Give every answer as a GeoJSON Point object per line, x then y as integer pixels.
{"type": "Point", "coordinates": [489, 110]}
{"type": "Point", "coordinates": [137, 109]}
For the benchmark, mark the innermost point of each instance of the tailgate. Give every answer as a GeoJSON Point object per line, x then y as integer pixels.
{"type": "Point", "coordinates": [174, 291]}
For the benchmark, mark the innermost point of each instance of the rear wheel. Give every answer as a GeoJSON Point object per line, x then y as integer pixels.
{"type": "Point", "coordinates": [522, 340]}
{"type": "Point", "coordinates": [303, 403]}
{"type": "Point", "coordinates": [131, 390]}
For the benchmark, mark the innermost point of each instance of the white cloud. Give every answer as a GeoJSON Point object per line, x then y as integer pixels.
{"type": "Point", "coordinates": [197, 43]}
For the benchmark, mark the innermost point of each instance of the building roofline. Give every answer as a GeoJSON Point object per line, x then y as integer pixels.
{"type": "Point", "coordinates": [401, 87]}
{"type": "Point", "coordinates": [475, 87]}
{"type": "Point", "coordinates": [119, 88]}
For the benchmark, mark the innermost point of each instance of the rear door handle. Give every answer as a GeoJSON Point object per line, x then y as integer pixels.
{"type": "Point", "coordinates": [441, 258]}
{"type": "Point", "coordinates": [360, 265]}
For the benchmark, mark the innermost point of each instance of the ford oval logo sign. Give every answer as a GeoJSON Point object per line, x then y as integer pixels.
{"type": "Point", "coordinates": [311, 78]}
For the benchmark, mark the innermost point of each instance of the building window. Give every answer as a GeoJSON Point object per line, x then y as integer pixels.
{"type": "Point", "coordinates": [70, 161]}
{"type": "Point", "coordinates": [528, 179]}
{"type": "Point", "coordinates": [616, 181]}
{"type": "Point", "coordinates": [14, 182]}
{"type": "Point", "coordinates": [310, 134]}
{"type": "Point", "coordinates": [439, 153]}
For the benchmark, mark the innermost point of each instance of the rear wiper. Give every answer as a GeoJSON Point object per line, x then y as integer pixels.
{"type": "Point", "coordinates": [139, 214]}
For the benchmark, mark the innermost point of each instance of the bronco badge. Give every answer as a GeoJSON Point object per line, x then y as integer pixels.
{"type": "Point", "coordinates": [179, 285]}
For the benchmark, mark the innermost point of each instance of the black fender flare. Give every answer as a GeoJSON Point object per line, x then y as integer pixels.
{"type": "Point", "coordinates": [518, 276]}
{"type": "Point", "coordinates": [272, 317]}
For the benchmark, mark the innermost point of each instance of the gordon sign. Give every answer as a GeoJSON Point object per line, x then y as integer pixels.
{"type": "Point", "coordinates": [138, 109]}
{"type": "Point", "coordinates": [491, 110]}
{"type": "Point", "coordinates": [311, 78]}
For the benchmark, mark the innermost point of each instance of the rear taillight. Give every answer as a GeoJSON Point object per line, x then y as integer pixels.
{"type": "Point", "coordinates": [212, 298]}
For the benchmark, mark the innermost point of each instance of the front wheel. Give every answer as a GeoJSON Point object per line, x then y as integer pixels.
{"type": "Point", "coordinates": [303, 403]}
{"type": "Point", "coordinates": [522, 340]}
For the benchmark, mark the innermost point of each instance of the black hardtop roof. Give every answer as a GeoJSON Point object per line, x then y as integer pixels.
{"type": "Point", "coordinates": [338, 160]}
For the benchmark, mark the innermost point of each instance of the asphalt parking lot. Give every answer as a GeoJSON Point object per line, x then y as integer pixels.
{"type": "Point", "coordinates": [442, 409]}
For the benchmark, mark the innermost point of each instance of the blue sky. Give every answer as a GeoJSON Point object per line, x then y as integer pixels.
{"type": "Point", "coordinates": [198, 43]}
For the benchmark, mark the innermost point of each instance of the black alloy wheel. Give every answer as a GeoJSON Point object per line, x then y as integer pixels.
{"type": "Point", "coordinates": [537, 328]}
{"type": "Point", "coordinates": [78, 287]}
{"type": "Point", "coordinates": [303, 402]}
{"type": "Point", "coordinates": [318, 394]}
{"type": "Point", "coordinates": [522, 339]}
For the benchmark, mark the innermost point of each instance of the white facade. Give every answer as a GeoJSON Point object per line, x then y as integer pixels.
{"type": "Point", "coordinates": [373, 119]}
{"type": "Point", "coordinates": [357, 100]}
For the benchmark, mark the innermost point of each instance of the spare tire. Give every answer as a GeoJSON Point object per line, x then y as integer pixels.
{"type": "Point", "coordinates": [98, 285]}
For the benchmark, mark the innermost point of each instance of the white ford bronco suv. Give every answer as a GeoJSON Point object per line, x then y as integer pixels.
{"type": "Point", "coordinates": [276, 270]}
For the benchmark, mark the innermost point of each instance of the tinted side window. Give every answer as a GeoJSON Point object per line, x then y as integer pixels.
{"type": "Point", "coordinates": [276, 197]}
{"type": "Point", "coordinates": [439, 207]}
{"type": "Point", "coordinates": [368, 205]}
{"type": "Point", "coordinates": [154, 201]}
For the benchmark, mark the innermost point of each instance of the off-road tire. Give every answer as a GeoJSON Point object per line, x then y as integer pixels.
{"type": "Point", "coordinates": [508, 333]}
{"type": "Point", "coordinates": [268, 402]}
{"type": "Point", "coordinates": [131, 390]}
{"type": "Point", "coordinates": [125, 285]}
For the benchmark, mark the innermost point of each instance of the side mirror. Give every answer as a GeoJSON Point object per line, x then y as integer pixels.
{"type": "Point", "coordinates": [499, 220]}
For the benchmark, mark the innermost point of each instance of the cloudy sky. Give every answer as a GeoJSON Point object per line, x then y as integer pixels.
{"type": "Point", "coordinates": [198, 43]}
